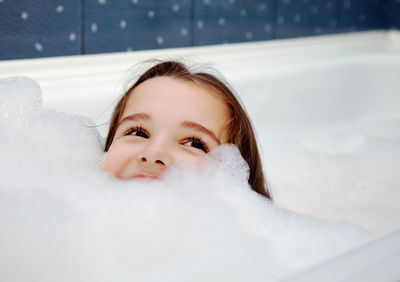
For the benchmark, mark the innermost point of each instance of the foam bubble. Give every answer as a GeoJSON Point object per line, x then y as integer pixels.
{"type": "Point", "coordinates": [20, 100]}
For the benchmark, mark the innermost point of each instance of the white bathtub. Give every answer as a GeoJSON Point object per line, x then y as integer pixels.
{"type": "Point", "coordinates": [318, 105]}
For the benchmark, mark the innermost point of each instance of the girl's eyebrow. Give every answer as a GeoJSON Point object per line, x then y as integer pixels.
{"type": "Point", "coordinates": [186, 124]}
{"type": "Point", "coordinates": [135, 117]}
{"type": "Point", "coordinates": [199, 127]}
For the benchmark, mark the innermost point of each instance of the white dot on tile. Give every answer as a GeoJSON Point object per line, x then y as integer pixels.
{"type": "Point", "coordinates": [93, 27]}
{"type": "Point", "coordinates": [243, 12]}
{"type": "Point", "coordinates": [249, 35]}
{"type": "Point", "coordinates": [151, 14]}
{"type": "Point", "coordinates": [231, 1]}
{"type": "Point", "coordinates": [38, 46]}
{"type": "Point", "coordinates": [1, 1]}
{"type": "Point", "coordinates": [221, 21]}
{"type": "Point", "coordinates": [72, 36]}
{"type": "Point", "coordinates": [135, 1]}
{"type": "Point", "coordinates": [122, 24]}
{"type": "Point", "coordinates": [297, 18]}
{"type": "Point", "coordinates": [184, 31]}
{"type": "Point", "coordinates": [286, 2]}
{"type": "Point", "coordinates": [206, 2]}
{"type": "Point", "coordinates": [318, 30]}
{"type": "Point", "coordinates": [200, 24]}
{"type": "Point", "coordinates": [267, 28]}
{"type": "Point", "coordinates": [129, 49]}
{"type": "Point", "coordinates": [24, 15]}
{"type": "Point", "coordinates": [314, 10]}
{"type": "Point", "coordinates": [262, 7]}
{"type": "Point", "coordinates": [160, 40]}
{"type": "Point", "coordinates": [102, 2]}
{"type": "Point", "coordinates": [60, 9]}
{"type": "Point", "coordinates": [176, 8]}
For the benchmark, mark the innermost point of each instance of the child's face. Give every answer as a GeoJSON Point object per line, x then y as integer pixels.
{"type": "Point", "coordinates": [165, 121]}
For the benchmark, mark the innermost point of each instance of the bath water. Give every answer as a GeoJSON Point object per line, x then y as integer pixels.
{"type": "Point", "coordinates": [63, 219]}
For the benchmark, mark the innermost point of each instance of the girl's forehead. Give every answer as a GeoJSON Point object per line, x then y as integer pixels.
{"type": "Point", "coordinates": [166, 93]}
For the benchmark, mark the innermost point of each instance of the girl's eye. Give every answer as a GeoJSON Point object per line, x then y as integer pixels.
{"type": "Point", "coordinates": [197, 143]}
{"type": "Point", "coordinates": [138, 131]}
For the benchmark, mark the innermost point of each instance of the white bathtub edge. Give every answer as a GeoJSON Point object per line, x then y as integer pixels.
{"type": "Point", "coordinates": [55, 68]}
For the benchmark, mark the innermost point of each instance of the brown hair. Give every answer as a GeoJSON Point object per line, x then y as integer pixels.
{"type": "Point", "coordinates": [240, 130]}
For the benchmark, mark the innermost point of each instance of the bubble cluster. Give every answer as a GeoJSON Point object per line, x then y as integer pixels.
{"type": "Point", "coordinates": [20, 100]}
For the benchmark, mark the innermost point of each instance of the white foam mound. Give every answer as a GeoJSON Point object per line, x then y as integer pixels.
{"type": "Point", "coordinates": [21, 99]}
{"type": "Point", "coordinates": [63, 219]}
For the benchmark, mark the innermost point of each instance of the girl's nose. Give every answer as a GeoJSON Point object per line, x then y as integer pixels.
{"type": "Point", "coordinates": [147, 159]}
{"type": "Point", "coordinates": [155, 155]}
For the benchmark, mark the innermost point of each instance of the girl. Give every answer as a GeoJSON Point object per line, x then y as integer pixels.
{"type": "Point", "coordinates": [174, 115]}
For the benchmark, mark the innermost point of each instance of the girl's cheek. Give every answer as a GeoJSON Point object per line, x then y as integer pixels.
{"type": "Point", "coordinates": [110, 163]}
{"type": "Point", "coordinates": [114, 159]}
{"type": "Point", "coordinates": [187, 158]}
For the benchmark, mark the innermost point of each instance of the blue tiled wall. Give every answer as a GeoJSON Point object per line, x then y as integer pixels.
{"type": "Point", "coordinates": [304, 18]}
{"type": "Point", "coordinates": [227, 21]}
{"type": "Point", "coordinates": [134, 25]}
{"type": "Point", "coordinates": [393, 11]}
{"type": "Point", "coordinates": [362, 15]}
{"type": "Point", "coordinates": [41, 28]}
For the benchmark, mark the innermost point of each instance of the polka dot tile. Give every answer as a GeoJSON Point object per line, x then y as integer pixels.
{"type": "Point", "coordinates": [41, 28]}
{"type": "Point", "coordinates": [357, 15]}
{"type": "Point", "coordinates": [45, 28]}
{"type": "Point", "coordinates": [116, 26]}
{"type": "Point", "coordinates": [305, 18]}
{"type": "Point", "coordinates": [227, 21]}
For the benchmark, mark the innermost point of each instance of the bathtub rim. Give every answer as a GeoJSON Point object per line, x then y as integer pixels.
{"type": "Point", "coordinates": [94, 64]}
